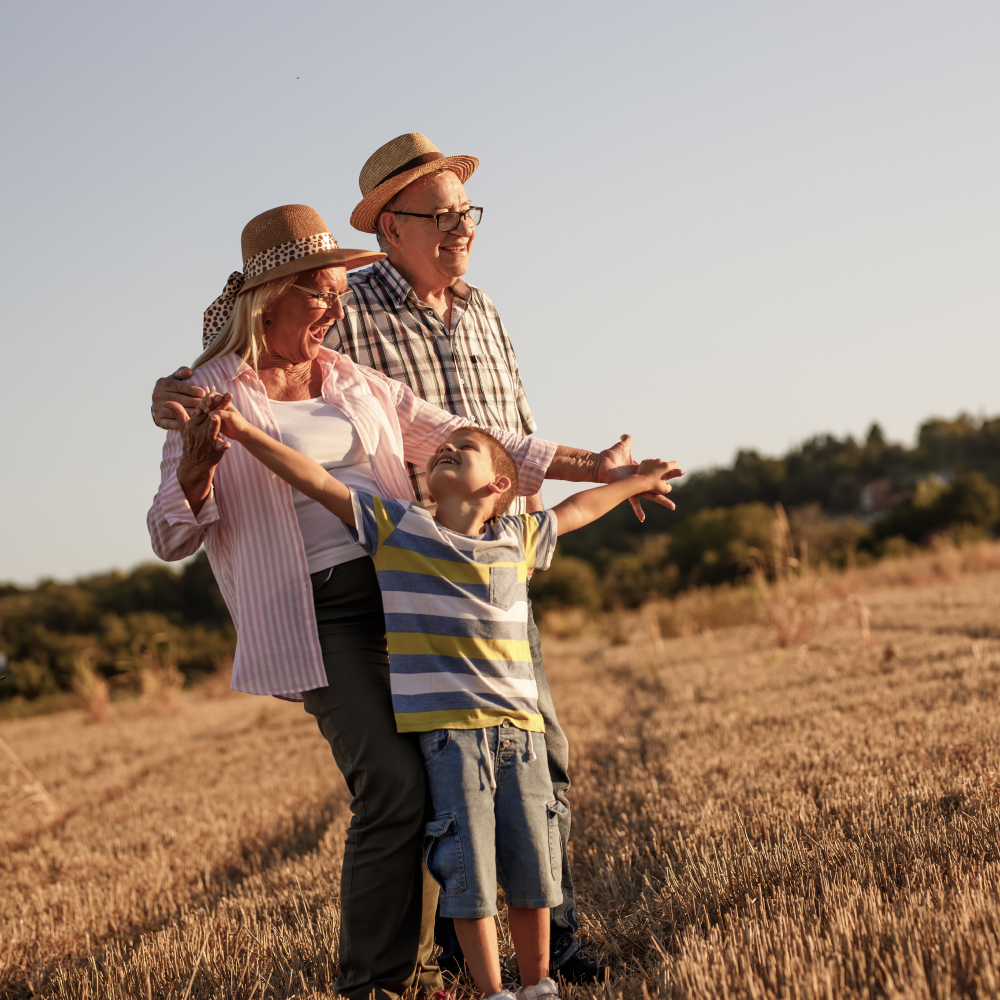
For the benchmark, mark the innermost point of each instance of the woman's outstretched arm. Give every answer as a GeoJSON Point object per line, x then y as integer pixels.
{"type": "Point", "coordinates": [296, 469]}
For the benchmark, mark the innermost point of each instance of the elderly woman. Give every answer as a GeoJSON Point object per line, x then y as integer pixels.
{"type": "Point", "coordinates": [302, 593]}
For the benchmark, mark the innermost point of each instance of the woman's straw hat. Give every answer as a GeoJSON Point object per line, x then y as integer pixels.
{"type": "Point", "coordinates": [395, 165]}
{"type": "Point", "coordinates": [290, 239]}
{"type": "Point", "coordinates": [279, 242]}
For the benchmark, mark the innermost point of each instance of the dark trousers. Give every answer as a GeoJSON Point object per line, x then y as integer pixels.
{"type": "Point", "coordinates": [387, 899]}
{"type": "Point", "coordinates": [564, 923]}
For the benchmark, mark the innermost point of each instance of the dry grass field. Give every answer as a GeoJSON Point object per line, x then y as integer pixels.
{"type": "Point", "coordinates": [805, 807]}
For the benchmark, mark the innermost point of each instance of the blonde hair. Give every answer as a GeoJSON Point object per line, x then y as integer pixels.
{"type": "Point", "coordinates": [244, 333]}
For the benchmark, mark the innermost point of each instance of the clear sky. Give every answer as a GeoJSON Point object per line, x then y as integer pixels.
{"type": "Point", "coordinates": [715, 224]}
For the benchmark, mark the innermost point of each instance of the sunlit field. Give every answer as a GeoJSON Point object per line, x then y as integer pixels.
{"type": "Point", "coordinates": [805, 806]}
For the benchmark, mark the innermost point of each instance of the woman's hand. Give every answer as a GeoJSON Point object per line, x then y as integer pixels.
{"type": "Point", "coordinates": [203, 447]}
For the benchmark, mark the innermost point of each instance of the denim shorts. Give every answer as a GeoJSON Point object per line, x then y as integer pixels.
{"type": "Point", "coordinates": [480, 834]}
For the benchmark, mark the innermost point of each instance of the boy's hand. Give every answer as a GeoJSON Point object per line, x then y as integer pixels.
{"type": "Point", "coordinates": [652, 478]}
{"type": "Point", "coordinates": [234, 424]}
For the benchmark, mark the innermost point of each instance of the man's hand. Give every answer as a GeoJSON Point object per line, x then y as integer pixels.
{"type": "Point", "coordinates": [617, 463]}
{"type": "Point", "coordinates": [173, 389]}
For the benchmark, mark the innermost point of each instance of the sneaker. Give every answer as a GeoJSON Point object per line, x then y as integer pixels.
{"type": "Point", "coordinates": [545, 990]}
{"type": "Point", "coordinates": [502, 995]}
{"type": "Point", "coordinates": [582, 968]}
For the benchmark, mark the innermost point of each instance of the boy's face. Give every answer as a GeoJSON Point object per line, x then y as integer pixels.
{"type": "Point", "coordinates": [462, 469]}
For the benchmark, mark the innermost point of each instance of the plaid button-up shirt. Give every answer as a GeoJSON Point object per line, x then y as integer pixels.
{"type": "Point", "coordinates": [468, 368]}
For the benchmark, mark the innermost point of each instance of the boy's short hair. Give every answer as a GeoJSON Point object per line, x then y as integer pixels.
{"type": "Point", "coordinates": [503, 465]}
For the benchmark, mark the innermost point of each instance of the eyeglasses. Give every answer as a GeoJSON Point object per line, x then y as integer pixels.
{"type": "Point", "coordinates": [447, 221]}
{"type": "Point", "coordinates": [329, 299]}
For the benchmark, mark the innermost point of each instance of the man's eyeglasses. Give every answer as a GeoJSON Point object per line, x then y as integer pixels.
{"type": "Point", "coordinates": [447, 221]}
{"type": "Point", "coordinates": [329, 299]}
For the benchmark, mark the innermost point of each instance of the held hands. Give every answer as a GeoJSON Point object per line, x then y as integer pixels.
{"type": "Point", "coordinates": [202, 431]}
{"type": "Point", "coordinates": [617, 463]}
{"type": "Point", "coordinates": [651, 479]}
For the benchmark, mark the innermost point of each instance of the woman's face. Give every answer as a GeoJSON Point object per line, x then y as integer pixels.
{"type": "Point", "coordinates": [299, 321]}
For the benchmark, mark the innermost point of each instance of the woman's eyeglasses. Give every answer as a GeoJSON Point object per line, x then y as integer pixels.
{"type": "Point", "coordinates": [329, 299]}
{"type": "Point", "coordinates": [447, 221]}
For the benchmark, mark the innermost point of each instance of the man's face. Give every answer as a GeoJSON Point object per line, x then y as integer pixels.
{"type": "Point", "coordinates": [431, 256]}
{"type": "Point", "coordinates": [462, 468]}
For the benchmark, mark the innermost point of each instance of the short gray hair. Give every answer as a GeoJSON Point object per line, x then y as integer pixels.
{"type": "Point", "coordinates": [391, 205]}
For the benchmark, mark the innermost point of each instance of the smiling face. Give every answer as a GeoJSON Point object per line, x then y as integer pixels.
{"type": "Point", "coordinates": [462, 469]}
{"type": "Point", "coordinates": [432, 257]}
{"type": "Point", "coordinates": [299, 322]}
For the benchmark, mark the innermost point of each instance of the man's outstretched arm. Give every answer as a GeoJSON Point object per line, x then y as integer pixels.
{"type": "Point", "coordinates": [650, 479]}
{"type": "Point", "coordinates": [577, 465]}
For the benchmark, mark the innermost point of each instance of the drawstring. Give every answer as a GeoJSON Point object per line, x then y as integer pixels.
{"type": "Point", "coordinates": [489, 759]}
{"type": "Point", "coordinates": [531, 749]}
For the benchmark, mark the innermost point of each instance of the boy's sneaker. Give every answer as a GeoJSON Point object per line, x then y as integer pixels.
{"type": "Point", "coordinates": [545, 990]}
{"type": "Point", "coordinates": [502, 995]}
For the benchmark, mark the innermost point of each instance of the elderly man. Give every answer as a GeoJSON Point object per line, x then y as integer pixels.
{"type": "Point", "coordinates": [413, 318]}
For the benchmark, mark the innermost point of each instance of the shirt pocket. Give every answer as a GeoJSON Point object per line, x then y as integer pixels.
{"type": "Point", "coordinates": [503, 587]}
{"type": "Point", "coordinates": [496, 381]}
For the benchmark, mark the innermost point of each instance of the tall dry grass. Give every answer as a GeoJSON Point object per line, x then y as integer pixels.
{"type": "Point", "coordinates": [819, 819]}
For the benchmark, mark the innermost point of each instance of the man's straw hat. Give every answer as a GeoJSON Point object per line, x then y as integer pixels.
{"type": "Point", "coordinates": [279, 242]}
{"type": "Point", "coordinates": [394, 166]}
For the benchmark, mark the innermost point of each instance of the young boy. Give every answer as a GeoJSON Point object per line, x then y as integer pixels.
{"type": "Point", "coordinates": [454, 590]}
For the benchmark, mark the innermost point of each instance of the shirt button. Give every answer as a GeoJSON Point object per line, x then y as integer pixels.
{"type": "Point", "coordinates": [506, 743]}
{"type": "Point", "coordinates": [462, 380]}
{"type": "Point", "coordinates": [506, 724]}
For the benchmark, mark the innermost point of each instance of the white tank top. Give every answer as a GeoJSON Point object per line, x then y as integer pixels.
{"type": "Point", "coordinates": [319, 430]}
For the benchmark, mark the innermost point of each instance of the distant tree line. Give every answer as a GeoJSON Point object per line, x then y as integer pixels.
{"type": "Point", "coordinates": [846, 500]}
{"type": "Point", "coordinates": [114, 623]}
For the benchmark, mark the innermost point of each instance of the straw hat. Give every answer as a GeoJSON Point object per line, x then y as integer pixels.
{"type": "Point", "coordinates": [395, 165]}
{"type": "Point", "coordinates": [279, 242]}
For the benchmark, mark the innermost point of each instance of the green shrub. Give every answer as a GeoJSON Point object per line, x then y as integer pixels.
{"type": "Point", "coordinates": [712, 546]}
{"type": "Point", "coordinates": [971, 500]}
{"type": "Point", "coordinates": [635, 577]}
{"type": "Point", "coordinates": [568, 583]}
{"type": "Point", "coordinates": [834, 540]}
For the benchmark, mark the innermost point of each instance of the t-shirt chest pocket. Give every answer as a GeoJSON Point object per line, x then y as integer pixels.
{"type": "Point", "coordinates": [503, 587]}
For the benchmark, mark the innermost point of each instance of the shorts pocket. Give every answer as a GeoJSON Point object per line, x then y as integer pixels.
{"type": "Point", "coordinates": [443, 854]}
{"type": "Point", "coordinates": [554, 811]}
{"type": "Point", "coordinates": [433, 744]}
{"type": "Point", "coordinates": [503, 586]}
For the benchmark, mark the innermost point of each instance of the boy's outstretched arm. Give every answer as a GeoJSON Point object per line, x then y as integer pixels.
{"type": "Point", "coordinates": [582, 508]}
{"type": "Point", "coordinates": [303, 473]}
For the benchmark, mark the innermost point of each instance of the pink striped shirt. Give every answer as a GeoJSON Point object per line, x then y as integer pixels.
{"type": "Point", "coordinates": [248, 524]}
